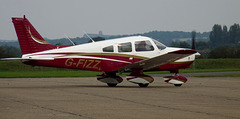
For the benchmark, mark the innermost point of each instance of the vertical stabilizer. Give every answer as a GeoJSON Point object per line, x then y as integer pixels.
{"type": "Point", "coordinates": [29, 39]}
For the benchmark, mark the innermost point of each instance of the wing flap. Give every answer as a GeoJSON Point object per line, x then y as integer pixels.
{"type": "Point", "coordinates": [158, 61]}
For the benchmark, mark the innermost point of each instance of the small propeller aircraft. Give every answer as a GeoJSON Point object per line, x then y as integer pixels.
{"type": "Point", "coordinates": [135, 54]}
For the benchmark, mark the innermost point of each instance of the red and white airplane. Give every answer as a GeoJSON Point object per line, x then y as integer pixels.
{"type": "Point", "coordinates": [134, 54]}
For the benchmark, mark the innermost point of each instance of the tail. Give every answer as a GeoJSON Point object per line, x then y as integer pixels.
{"type": "Point", "coordinates": [29, 39]}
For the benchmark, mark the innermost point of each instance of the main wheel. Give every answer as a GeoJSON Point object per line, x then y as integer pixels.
{"type": "Point", "coordinates": [143, 85]}
{"type": "Point", "coordinates": [177, 85]}
{"type": "Point", "coordinates": [112, 85]}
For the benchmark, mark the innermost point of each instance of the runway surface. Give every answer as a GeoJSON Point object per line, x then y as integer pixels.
{"type": "Point", "coordinates": [86, 98]}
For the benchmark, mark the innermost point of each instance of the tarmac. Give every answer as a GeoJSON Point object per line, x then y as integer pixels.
{"type": "Point", "coordinates": [87, 98]}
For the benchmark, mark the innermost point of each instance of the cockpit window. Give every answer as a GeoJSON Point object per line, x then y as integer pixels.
{"type": "Point", "coordinates": [125, 47]}
{"type": "Point", "coordinates": [108, 49]}
{"type": "Point", "coordinates": [143, 46]}
{"type": "Point", "coordinates": [159, 45]}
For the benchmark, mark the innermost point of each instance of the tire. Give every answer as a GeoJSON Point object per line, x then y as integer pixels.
{"type": "Point", "coordinates": [177, 85]}
{"type": "Point", "coordinates": [111, 85]}
{"type": "Point", "coordinates": [143, 85]}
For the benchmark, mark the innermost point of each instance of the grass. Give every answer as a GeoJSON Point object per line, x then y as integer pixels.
{"type": "Point", "coordinates": [217, 64]}
{"type": "Point", "coordinates": [225, 75]}
{"type": "Point", "coordinates": [12, 69]}
{"type": "Point", "coordinates": [37, 74]}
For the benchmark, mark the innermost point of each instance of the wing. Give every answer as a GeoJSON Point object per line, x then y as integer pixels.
{"type": "Point", "coordinates": [157, 61]}
{"type": "Point", "coordinates": [24, 59]}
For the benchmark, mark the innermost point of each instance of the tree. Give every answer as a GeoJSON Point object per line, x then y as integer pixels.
{"type": "Point", "coordinates": [219, 52]}
{"type": "Point", "coordinates": [59, 43]}
{"type": "Point", "coordinates": [181, 44]}
{"type": "Point", "coordinates": [215, 36]}
{"type": "Point", "coordinates": [234, 33]}
{"type": "Point", "coordinates": [220, 36]}
{"type": "Point", "coordinates": [229, 51]}
{"type": "Point", "coordinates": [194, 40]}
{"type": "Point", "coordinates": [224, 36]}
{"type": "Point", "coordinates": [97, 39]}
{"type": "Point", "coordinates": [9, 51]}
{"type": "Point", "coordinates": [201, 45]}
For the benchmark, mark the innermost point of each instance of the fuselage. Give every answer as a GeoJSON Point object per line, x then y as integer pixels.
{"type": "Point", "coordinates": [109, 55]}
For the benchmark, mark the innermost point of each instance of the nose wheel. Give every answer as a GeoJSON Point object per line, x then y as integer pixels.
{"type": "Point", "coordinates": [111, 85]}
{"type": "Point", "coordinates": [177, 85]}
{"type": "Point", "coordinates": [143, 85]}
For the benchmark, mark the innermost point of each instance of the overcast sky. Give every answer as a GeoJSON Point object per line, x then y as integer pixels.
{"type": "Point", "coordinates": [54, 18]}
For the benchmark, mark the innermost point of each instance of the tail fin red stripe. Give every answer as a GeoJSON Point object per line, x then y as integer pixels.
{"type": "Point", "coordinates": [29, 39]}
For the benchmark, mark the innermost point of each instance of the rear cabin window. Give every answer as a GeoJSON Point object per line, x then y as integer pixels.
{"type": "Point", "coordinates": [125, 47]}
{"type": "Point", "coordinates": [108, 49]}
{"type": "Point", "coordinates": [143, 46]}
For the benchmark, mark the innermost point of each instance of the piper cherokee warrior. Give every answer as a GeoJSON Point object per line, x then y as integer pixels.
{"type": "Point", "coordinates": [135, 54]}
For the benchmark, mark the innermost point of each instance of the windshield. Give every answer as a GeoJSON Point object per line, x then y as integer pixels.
{"type": "Point", "coordinates": [159, 45]}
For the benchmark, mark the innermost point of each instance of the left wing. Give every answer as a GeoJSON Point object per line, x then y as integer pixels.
{"type": "Point", "coordinates": [157, 61]}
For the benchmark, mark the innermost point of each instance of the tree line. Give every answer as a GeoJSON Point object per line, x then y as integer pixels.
{"type": "Point", "coordinates": [223, 43]}
{"type": "Point", "coordinates": [221, 36]}
{"type": "Point", "coordinates": [9, 51]}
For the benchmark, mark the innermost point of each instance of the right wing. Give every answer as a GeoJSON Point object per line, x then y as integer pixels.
{"type": "Point", "coordinates": [158, 61]}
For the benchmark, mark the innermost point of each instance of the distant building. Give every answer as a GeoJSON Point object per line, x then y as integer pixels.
{"type": "Point", "coordinates": [100, 33]}
{"type": "Point", "coordinates": [92, 35]}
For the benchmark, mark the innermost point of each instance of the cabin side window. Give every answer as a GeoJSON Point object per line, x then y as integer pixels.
{"type": "Point", "coordinates": [143, 46]}
{"type": "Point", "coordinates": [125, 47]}
{"type": "Point", "coordinates": [108, 49]}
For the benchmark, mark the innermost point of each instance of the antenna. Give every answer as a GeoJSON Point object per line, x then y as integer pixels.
{"type": "Point", "coordinates": [69, 39]}
{"type": "Point", "coordinates": [88, 36]}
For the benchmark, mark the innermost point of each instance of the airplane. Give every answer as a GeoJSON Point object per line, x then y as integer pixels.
{"type": "Point", "coordinates": [134, 54]}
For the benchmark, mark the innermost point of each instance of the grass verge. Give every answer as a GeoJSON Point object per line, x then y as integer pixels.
{"type": "Point", "coordinates": [225, 75]}
{"type": "Point", "coordinates": [38, 74]}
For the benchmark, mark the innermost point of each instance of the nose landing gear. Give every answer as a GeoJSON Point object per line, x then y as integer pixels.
{"type": "Point", "coordinates": [175, 79]}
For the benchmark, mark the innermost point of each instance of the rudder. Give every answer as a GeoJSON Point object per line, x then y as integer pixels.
{"type": "Point", "coordinates": [29, 39]}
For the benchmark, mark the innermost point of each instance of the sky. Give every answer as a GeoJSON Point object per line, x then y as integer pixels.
{"type": "Point", "coordinates": [54, 18]}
